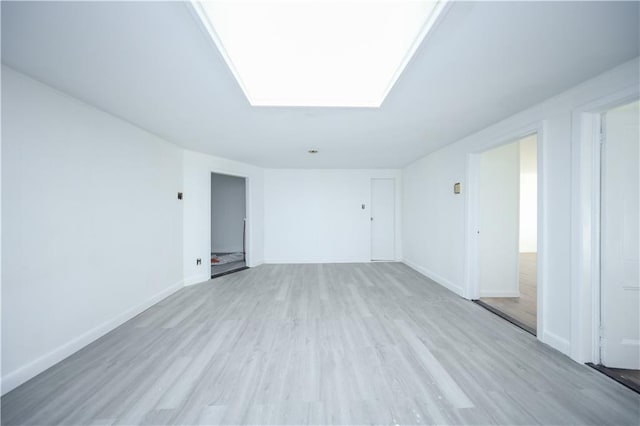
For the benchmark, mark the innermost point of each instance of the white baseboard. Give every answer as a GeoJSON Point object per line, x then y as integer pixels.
{"type": "Point", "coordinates": [196, 279]}
{"type": "Point", "coordinates": [311, 261]}
{"type": "Point", "coordinates": [457, 289]}
{"type": "Point", "coordinates": [316, 261]}
{"type": "Point", "coordinates": [17, 377]}
{"type": "Point", "coordinates": [499, 294]}
{"type": "Point", "coordinates": [561, 344]}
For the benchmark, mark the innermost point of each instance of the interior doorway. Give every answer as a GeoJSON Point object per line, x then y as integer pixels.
{"type": "Point", "coordinates": [620, 244]}
{"type": "Point", "coordinates": [228, 224]}
{"type": "Point", "coordinates": [507, 231]}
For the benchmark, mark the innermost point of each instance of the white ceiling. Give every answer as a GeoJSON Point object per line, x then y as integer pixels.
{"type": "Point", "coordinates": [152, 64]}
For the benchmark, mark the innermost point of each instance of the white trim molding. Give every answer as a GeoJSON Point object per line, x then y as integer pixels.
{"type": "Point", "coordinates": [499, 294]}
{"type": "Point", "coordinates": [196, 279]}
{"type": "Point", "coordinates": [585, 223]}
{"type": "Point", "coordinates": [17, 377]}
{"type": "Point", "coordinates": [561, 344]}
{"type": "Point", "coordinates": [457, 289]}
{"type": "Point", "coordinates": [323, 261]}
{"type": "Point", "coordinates": [471, 288]}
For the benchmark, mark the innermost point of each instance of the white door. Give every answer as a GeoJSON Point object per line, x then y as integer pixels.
{"type": "Point", "coordinates": [620, 290]}
{"type": "Point", "coordinates": [383, 235]}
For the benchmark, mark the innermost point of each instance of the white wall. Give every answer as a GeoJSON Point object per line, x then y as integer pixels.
{"type": "Point", "coordinates": [315, 216]}
{"type": "Point", "coordinates": [529, 195]}
{"type": "Point", "coordinates": [197, 212]}
{"type": "Point", "coordinates": [92, 227]}
{"type": "Point", "coordinates": [228, 210]}
{"type": "Point", "coordinates": [498, 212]}
{"type": "Point", "coordinates": [434, 218]}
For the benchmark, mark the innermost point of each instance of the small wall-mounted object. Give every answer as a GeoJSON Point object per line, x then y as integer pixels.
{"type": "Point", "coordinates": [179, 195]}
{"type": "Point", "coordinates": [363, 207]}
{"type": "Point", "coordinates": [198, 261]}
{"type": "Point", "coordinates": [456, 188]}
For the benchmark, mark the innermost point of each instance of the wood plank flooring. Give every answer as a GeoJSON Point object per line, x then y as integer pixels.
{"type": "Point", "coordinates": [525, 307]}
{"type": "Point", "coordinates": [319, 344]}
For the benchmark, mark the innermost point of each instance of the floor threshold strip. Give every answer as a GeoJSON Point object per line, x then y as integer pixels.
{"type": "Point", "coordinates": [509, 318]}
{"type": "Point", "coordinates": [221, 274]}
{"type": "Point", "coordinates": [616, 375]}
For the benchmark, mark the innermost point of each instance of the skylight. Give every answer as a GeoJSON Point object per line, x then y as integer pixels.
{"type": "Point", "coordinates": [317, 52]}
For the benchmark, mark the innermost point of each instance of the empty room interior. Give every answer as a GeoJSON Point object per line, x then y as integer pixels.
{"type": "Point", "coordinates": [507, 208]}
{"type": "Point", "coordinates": [320, 212]}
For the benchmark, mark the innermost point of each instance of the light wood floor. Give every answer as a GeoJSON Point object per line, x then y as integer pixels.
{"type": "Point", "coordinates": [525, 307]}
{"type": "Point", "coordinates": [319, 344]}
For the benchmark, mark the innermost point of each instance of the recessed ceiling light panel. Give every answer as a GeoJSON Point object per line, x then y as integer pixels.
{"type": "Point", "coordinates": [317, 52]}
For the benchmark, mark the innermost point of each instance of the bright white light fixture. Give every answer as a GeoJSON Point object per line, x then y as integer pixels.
{"type": "Point", "coordinates": [317, 52]}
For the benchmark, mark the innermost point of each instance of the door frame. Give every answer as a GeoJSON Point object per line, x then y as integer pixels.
{"type": "Point", "coordinates": [472, 285]}
{"type": "Point", "coordinates": [395, 189]}
{"type": "Point", "coordinates": [586, 193]}
{"type": "Point", "coordinates": [247, 209]}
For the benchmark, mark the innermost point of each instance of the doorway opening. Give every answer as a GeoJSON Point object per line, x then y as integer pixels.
{"type": "Point", "coordinates": [507, 231]}
{"type": "Point", "coordinates": [228, 224]}
{"type": "Point", "coordinates": [619, 349]}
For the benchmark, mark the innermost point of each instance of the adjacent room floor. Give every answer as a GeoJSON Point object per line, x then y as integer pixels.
{"type": "Point", "coordinates": [319, 344]}
{"type": "Point", "coordinates": [222, 263]}
{"type": "Point", "coordinates": [525, 307]}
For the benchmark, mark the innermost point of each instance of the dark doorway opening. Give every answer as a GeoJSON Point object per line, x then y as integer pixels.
{"type": "Point", "coordinates": [228, 224]}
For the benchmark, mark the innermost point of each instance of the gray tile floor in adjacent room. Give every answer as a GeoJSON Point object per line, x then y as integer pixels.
{"type": "Point", "coordinates": [227, 262]}
{"type": "Point", "coordinates": [319, 344]}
